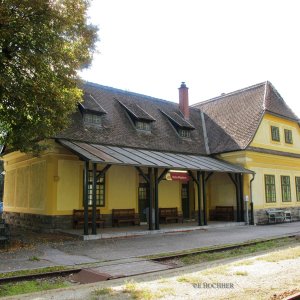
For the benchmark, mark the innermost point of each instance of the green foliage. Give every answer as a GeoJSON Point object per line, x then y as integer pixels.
{"type": "Point", "coordinates": [43, 43]}
{"type": "Point", "coordinates": [241, 273]}
{"type": "Point", "coordinates": [103, 291]}
{"type": "Point", "coordinates": [33, 271]}
{"type": "Point", "coordinates": [244, 250]}
{"type": "Point", "coordinates": [33, 258]}
{"type": "Point", "coordinates": [11, 289]}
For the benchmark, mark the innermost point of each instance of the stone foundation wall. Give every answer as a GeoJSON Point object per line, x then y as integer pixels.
{"type": "Point", "coordinates": [44, 223]}
{"type": "Point", "coordinates": [260, 216]}
{"type": "Point", "coordinates": [40, 223]}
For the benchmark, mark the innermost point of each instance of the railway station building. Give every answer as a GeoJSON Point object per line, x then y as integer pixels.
{"type": "Point", "coordinates": [226, 159]}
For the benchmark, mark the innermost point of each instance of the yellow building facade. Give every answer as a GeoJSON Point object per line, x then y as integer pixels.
{"type": "Point", "coordinates": [48, 188]}
{"type": "Point", "coordinates": [251, 129]}
{"type": "Point", "coordinates": [42, 192]}
{"type": "Point", "coordinates": [266, 157]}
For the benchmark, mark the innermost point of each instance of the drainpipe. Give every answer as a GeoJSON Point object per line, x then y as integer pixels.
{"type": "Point", "coordinates": [251, 201]}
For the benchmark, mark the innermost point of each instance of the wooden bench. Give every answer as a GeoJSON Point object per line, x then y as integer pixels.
{"type": "Point", "coordinates": [222, 213]}
{"type": "Point", "coordinates": [78, 217]}
{"type": "Point", "coordinates": [170, 214]}
{"type": "Point", "coordinates": [127, 215]}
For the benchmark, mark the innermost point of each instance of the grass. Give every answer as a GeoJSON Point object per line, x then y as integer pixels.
{"type": "Point", "coordinates": [163, 280]}
{"type": "Point", "coordinates": [103, 291]}
{"type": "Point", "coordinates": [134, 291]}
{"type": "Point", "coordinates": [11, 289]}
{"type": "Point", "coordinates": [131, 287]}
{"type": "Point", "coordinates": [33, 272]}
{"type": "Point", "coordinates": [291, 253]}
{"type": "Point", "coordinates": [33, 258]}
{"type": "Point", "coordinates": [244, 263]}
{"type": "Point", "coordinates": [189, 279]}
{"type": "Point", "coordinates": [262, 246]}
{"type": "Point", "coordinates": [166, 291]}
{"type": "Point", "coordinates": [241, 273]}
{"type": "Point", "coordinates": [220, 270]}
{"type": "Point", "coordinates": [279, 241]}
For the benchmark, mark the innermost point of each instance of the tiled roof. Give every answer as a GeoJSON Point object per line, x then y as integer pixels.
{"type": "Point", "coordinates": [276, 105]}
{"type": "Point", "coordinates": [118, 130]}
{"type": "Point", "coordinates": [232, 119]}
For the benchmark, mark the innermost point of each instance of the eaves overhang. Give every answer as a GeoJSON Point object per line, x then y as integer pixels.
{"type": "Point", "coordinates": [106, 154]}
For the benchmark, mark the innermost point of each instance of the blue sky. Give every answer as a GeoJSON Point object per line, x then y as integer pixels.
{"type": "Point", "coordinates": [215, 46]}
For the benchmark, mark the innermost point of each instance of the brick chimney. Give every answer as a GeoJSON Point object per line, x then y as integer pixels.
{"type": "Point", "coordinates": [184, 100]}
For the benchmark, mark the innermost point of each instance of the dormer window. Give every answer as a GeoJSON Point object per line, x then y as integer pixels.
{"type": "Point", "coordinates": [138, 116]}
{"type": "Point", "coordinates": [92, 112]}
{"type": "Point", "coordinates": [92, 119]}
{"type": "Point", "coordinates": [181, 125]}
{"type": "Point", "coordinates": [142, 125]}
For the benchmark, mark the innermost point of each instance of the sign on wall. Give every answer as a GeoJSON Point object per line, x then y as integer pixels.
{"type": "Point", "coordinates": [179, 176]}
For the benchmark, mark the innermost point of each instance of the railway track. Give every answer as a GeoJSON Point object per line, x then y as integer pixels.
{"type": "Point", "coordinates": [162, 260]}
{"type": "Point", "coordinates": [20, 278]}
{"type": "Point", "coordinates": [220, 249]}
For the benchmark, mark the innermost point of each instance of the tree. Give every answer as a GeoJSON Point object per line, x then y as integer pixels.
{"type": "Point", "coordinates": [43, 43]}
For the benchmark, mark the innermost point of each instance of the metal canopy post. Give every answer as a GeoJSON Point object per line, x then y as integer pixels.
{"type": "Point", "coordinates": [102, 172]}
{"type": "Point", "coordinates": [143, 174]}
{"type": "Point", "coordinates": [151, 179]}
{"type": "Point", "coordinates": [94, 212]}
{"type": "Point", "coordinates": [199, 197]}
{"type": "Point", "coordinates": [198, 183]}
{"type": "Point", "coordinates": [156, 198]}
{"type": "Point", "coordinates": [242, 216]}
{"type": "Point", "coordinates": [85, 198]}
{"type": "Point", "coordinates": [208, 176]}
{"type": "Point", "coordinates": [157, 180]}
{"type": "Point", "coordinates": [238, 200]}
{"type": "Point", "coordinates": [251, 201]}
{"type": "Point", "coordinates": [162, 175]}
{"type": "Point", "coordinates": [237, 195]}
{"type": "Point", "coordinates": [204, 197]}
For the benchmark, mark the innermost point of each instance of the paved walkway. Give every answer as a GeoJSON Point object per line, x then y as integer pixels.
{"type": "Point", "coordinates": [113, 250]}
{"type": "Point", "coordinates": [133, 231]}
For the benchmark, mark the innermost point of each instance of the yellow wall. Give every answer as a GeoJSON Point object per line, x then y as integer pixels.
{"type": "Point", "coordinates": [52, 184]}
{"type": "Point", "coordinates": [26, 186]}
{"type": "Point", "coordinates": [121, 188]}
{"type": "Point", "coordinates": [68, 185]}
{"type": "Point", "coordinates": [31, 182]}
{"type": "Point", "coordinates": [270, 164]}
{"type": "Point", "coordinates": [263, 138]}
{"type": "Point", "coordinates": [169, 194]}
{"type": "Point", "coordinates": [266, 164]}
{"type": "Point", "coordinates": [221, 191]}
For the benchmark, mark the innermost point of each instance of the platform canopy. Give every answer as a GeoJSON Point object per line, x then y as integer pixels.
{"type": "Point", "coordinates": [113, 155]}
